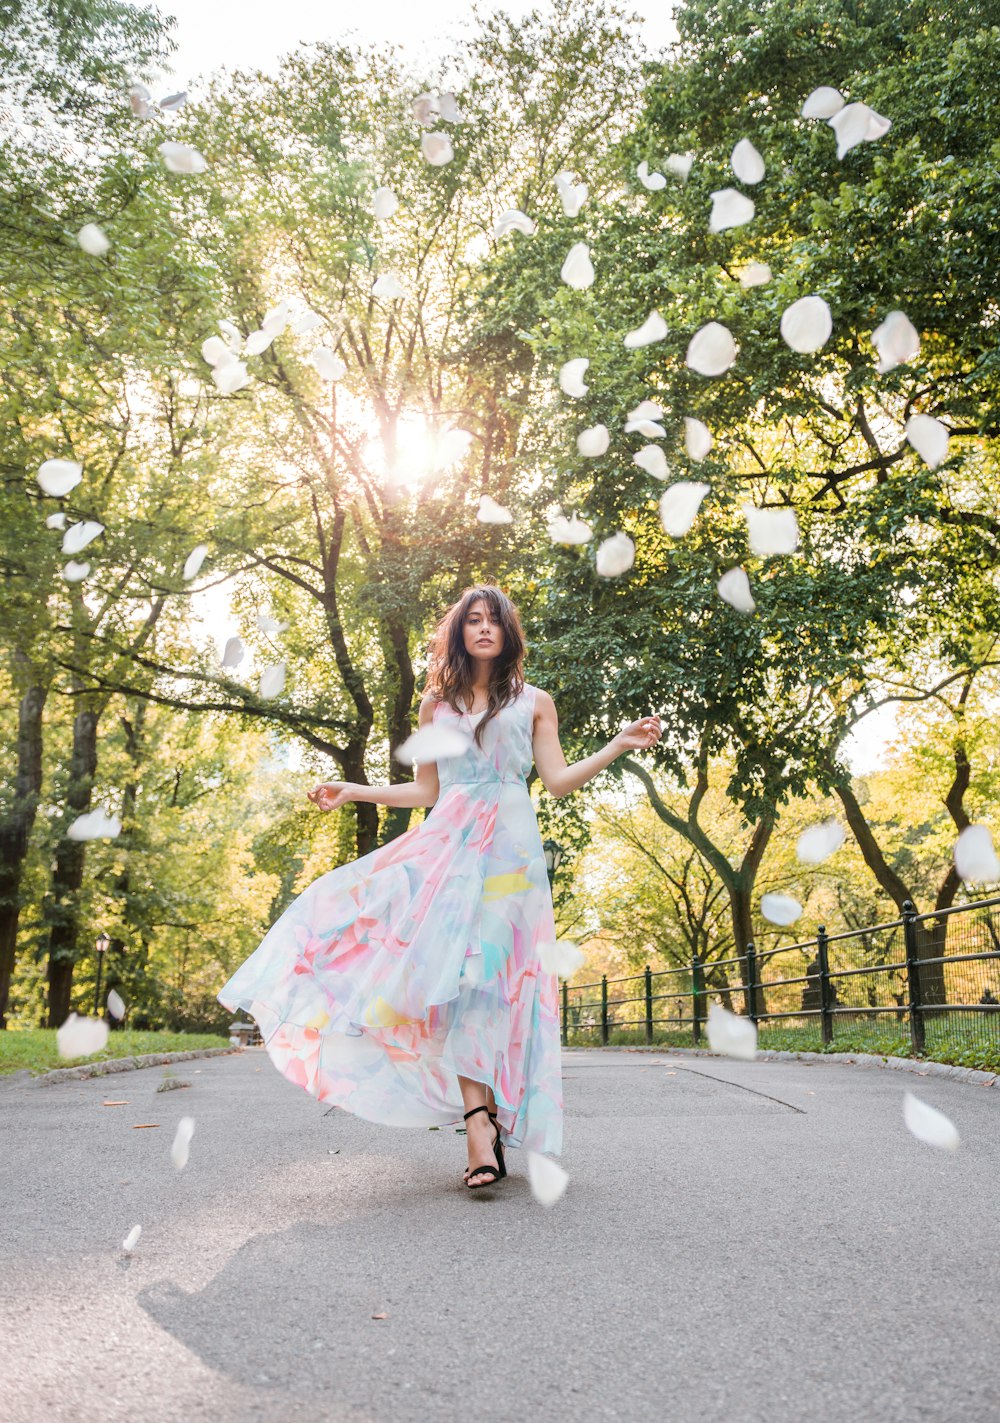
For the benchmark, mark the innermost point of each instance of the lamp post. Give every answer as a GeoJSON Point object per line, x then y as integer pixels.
{"type": "Point", "coordinates": [100, 944]}
{"type": "Point", "coordinates": [554, 855]}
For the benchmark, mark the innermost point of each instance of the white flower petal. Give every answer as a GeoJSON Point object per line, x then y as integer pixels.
{"type": "Point", "coordinates": [560, 957]}
{"type": "Point", "coordinates": [823, 103]}
{"type": "Point", "coordinates": [679, 505]}
{"type": "Point", "coordinates": [306, 323]}
{"type": "Point", "coordinates": [896, 340]}
{"type": "Point", "coordinates": [116, 1005]}
{"type": "Point", "coordinates": [571, 377]}
{"type": "Point", "coordinates": [140, 101]}
{"type": "Point", "coordinates": [95, 825]}
{"type": "Point", "coordinates": [327, 363]}
{"type": "Point", "coordinates": [771, 531]}
{"type": "Point", "coordinates": [711, 350]}
{"type": "Point", "coordinates": [578, 270]}
{"type": "Point", "coordinates": [75, 572]}
{"type": "Point", "coordinates": [697, 438]}
{"type": "Point", "coordinates": [747, 163]}
{"type": "Point", "coordinates": [272, 680]}
{"type": "Point", "coordinates": [450, 447]}
{"type": "Point", "coordinates": [433, 743]}
{"type": "Point", "coordinates": [730, 1035]}
{"type": "Point", "coordinates": [649, 429]}
{"type": "Point", "coordinates": [652, 459]}
{"type": "Point", "coordinates": [878, 126]}
{"type": "Point", "coordinates": [569, 531]}
{"type": "Point", "coordinates": [513, 220]}
{"type": "Point", "coordinates": [56, 521]}
{"type": "Point", "coordinates": [819, 842]}
{"type": "Point", "coordinates": [680, 165]}
{"type": "Point", "coordinates": [734, 589]}
{"type": "Point", "coordinates": [231, 376]}
{"type": "Point", "coordinates": [193, 562]}
{"type": "Point", "coordinates": [593, 442]}
{"type": "Point", "coordinates": [173, 103]}
{"type": "Point", "coordinates": [215, 350]}
{"type": "Point", "coordinates": [234, 652]}
{"type": "Point", "coordinates": [754, 274]}
{"type": "Point", "coordinates": [233, 336]}
{"type": "Point", "coordinates": [857, 123]}
{"type": "Point", "coordinates": [132, 1239]}
{"type": "Point", "coordinates": [258, 341]}
{"type": "Point", "coordinates": [547, 1178]}
{"type": "Point", "coordinates": [573, 195]}
{"type": "Point", "coordinates": [181, 157]}
{"type": "Point", "coordinates": [384, 203]}
{"type": "Point", "coordinates": [653, 181]}
{"type": "Point", "coordinates": [929, 438]}
{"type": "Point", "coordinates": [181, 1148]}
{"type": "Point", "coordinates": [975, 858]}
{"type": "Point", "coordinates": [81, 1037]}
{"type": "Point", "coordinates": [929, 1125]}
{"type": "Point", "coordinates": [388, 287]}
{"type": "Point", "coordinates": [437, 149]}
{"type": "Point", "coordinates": [730, 208]}
{"type": "Point", "coordinates": [646, 410]}
{"type": "Point", "coordinates": [654, 328]}
{"type": "Point", "coordinates": [424, 108]}
{"type": "Point", "coordinates": [615, 556]}
{"type": "Point", "coordinates": [78, 536]}
{"type": "Point", "coordinates": [806, 325]}
{"type": "Point", "coordinates": [780, 908]}
{"type": "Point", "coordinates": [270, 625]}
{"type": "Point", "coordinates": [92, 240]}
{"type": "Point", "coordinates": [447, 107]}
{"type": "Point", "coordinates": [490, 512]}
{"type": "Point", "coordinates": [58, 477]}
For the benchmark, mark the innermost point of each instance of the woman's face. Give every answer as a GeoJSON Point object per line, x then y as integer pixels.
{"type": "Point", "coordinates": [483, 633]}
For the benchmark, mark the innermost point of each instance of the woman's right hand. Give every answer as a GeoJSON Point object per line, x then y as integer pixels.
{"type": "Point", "coordinates": [331, 795]}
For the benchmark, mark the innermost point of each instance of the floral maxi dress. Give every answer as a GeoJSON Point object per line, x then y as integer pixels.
{"type": "Point", "coordinates": [388, 978]}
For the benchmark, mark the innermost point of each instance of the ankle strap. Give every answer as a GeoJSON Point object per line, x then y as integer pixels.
{"type": "Point", "coordinates": [483, 1108]}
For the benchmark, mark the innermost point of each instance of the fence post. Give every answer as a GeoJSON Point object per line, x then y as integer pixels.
{"type": "Point", "coordinates": [750, 993]}
{"type": "Point", "coordinates": [565, 1013]}
{"type": "Point", "coordinates": [696, 999]}
{"type": "Point", "coordinates": [825, 997]}
{"type": "Point", "coordinates": [604, 1009]}
{"type": "Point", "coordinates": [649, 1004]}
{"type": "Point", "coordinates": [913, 977]}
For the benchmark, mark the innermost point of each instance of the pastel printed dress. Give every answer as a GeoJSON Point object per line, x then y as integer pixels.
{"type": "Point", "coordinates": [388, 978]}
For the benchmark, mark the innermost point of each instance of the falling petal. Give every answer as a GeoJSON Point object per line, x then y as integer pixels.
{"type": "Point", "coordinates": [734, 589]}
{"type": "Point", "coordinates": [819, 842]}
{"type": "Point", "coordinates": [652, 459]}
{"type": "Point", "coordinates": [593, 442]}
{"type": "Point", "coordinates": [712, 350]}
{"type": "Point", "coordinates": [234, 653]}
{"type": "Point", "coordinates": [132, 1239]}
{"type": "Point", "coordinates": [615, 556]}
{"type": "Point", "coordinates": [56, 521]}
{"type": "Point", "coordinates": [437, 149]}
{"type": "Point", "coordinates": [730, 1035]}
{"type": "Point", "coordinates": [823, 103]}
{"type": "Point", "coordinates": [306, 323]}
{"type": "Point", "coordinates": [571, 377]}
{"type": "Point", "coordinates": [490, 512]}
{"type": "Point", "coordinates": [424, 109]}
{"type": "Point", "coordinates": [929, 438]}
{"type": "Point", "coordinates": [771, 531]}
{"type": "Point", "coordinates": [513, 220]}
{"type": "Point", "coordinates": [433, 743]}
{"type": "Point", "coordinates": [270, 625]}
{"type": "Point", "coordinates": [193, 562]}
{"type": "Point", "coordinates": [181, 157]}
{"type": "Point", "coordinates": [646, 410]}
{"type": "Point", "coordinates": [450, 448]}
{"type": "Point", "coordinates": [384, 203]}
{"type": "Point", "coordinates": [233, 336]}
{"type": "Point", "coordinates": [116, 1005]}
{"type": "Point", "coordinates": [649, 429]}
{"type": "Point", "coordinates": [573, 195]}
{"type": "Point", "coordinates": [276, 319]}
{"type": "Point", "coordinates": [327, 363]}
{"type": "Point", "coordinates": [754, 274]}
{"type": "Point", "coordinates": [447, 107]}
{"type": "Point", "coordinates": [548, 1179]}
{"type": "Point", "coordinates": [81, 1037]}
{"type": "Point", "coordinates": [258, 341]}
{"type": "Point", "coordinates": [578, 270]}
{"type": "Point", "coordinates": [806, 325]}
{"type": "Point", "coordinates": [697, 438]}
{"type": "Point", "coordinates": [78, 536]}
{"type": "Point", "coordinates": [75, 572]}
{"type": "Point", "coordinates": [181, 1148]}
{"type": "Point", "coordinates": [653, 181]}
{"type": "Point", "coordinates": [272, 680]}
{"type": "Point", "coordinates": [780, 908]}
{"type": "Point", "coordinates": [388, 287]}
{"type": "Point", "coordinates": [679, 506]}
{"type": "Point", "coordinates": [214, 350]}
{"type": "Point", "coordinates": [92, 240]}
{"type": "Point", "coordinates": [680, 165]}
{"type": "Point", "coordinates": [929, 1125]}
{"type": "Point", "coordinates": [58, 477]}
{"type": "Point", "coordinates": [173, 103]}
{"type": "Point", "coordinates": [896, 340]}
{"type": "Point", "coordinates": [975, 858]}
{"type": "Point", "coordinates": [140, 100]}
{"type": "Point", "coordinates": [857, 123]}
{"type": "Point", "coordinates": [747, 163]}
{"type": "Point", "coordinates": [730, 208]}
{"type": "Point", "coordinates": [560, 957]}
{"type": "Point", "coordinates": [95, 825]}
{"type": "Point", "coordinates": [654, 328]}
{"type": "Point", "coordinates": [231, 376]}
{"type": "Point", "coordinates": [569, 531]}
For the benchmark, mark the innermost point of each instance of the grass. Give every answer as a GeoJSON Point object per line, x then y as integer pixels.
{"type": "Point", "coordinates": [35, 1048]}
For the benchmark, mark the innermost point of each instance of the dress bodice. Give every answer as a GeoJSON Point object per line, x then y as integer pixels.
{"type": "Point", "coordinates": [506, 751]}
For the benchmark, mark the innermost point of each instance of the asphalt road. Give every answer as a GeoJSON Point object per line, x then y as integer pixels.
{"type": "Point", "coordinates": [739, 1242]}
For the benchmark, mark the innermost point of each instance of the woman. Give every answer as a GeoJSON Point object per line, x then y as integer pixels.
{"type": "Point", "coordinates": [407, 986]}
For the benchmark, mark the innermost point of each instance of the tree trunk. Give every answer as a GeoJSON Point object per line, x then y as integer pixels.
{"type": "Point", "coordinates": [15, 831]}
{"type": "Point", "coordinates": [397, 818]}
{"type": "Point", "coordinates": [67, 877]}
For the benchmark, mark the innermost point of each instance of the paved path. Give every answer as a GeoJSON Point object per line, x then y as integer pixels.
{"type": "Point", "coordinates": [739, 1242]}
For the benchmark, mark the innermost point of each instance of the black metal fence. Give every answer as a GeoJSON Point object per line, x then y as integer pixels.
{"type": "Point", "coordinates": [916, 984]}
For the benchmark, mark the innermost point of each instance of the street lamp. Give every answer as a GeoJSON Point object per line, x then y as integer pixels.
{"type": "Point", "coordinates": [554, 855]}
{"type": "Point", "coordinates": [100, 944]}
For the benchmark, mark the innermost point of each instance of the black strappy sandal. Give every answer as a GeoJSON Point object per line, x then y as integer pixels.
{"type": "Point", "coordinates": [496, 1173]}
{"type": "Point", "coordinates": [497, 1147]}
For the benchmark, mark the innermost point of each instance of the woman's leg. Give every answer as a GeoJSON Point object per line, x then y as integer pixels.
{"type": "Point", "coordinates": [479, 1130]}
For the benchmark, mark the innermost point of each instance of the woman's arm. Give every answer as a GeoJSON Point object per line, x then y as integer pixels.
{"type": "Point", "coordinates": [423, 790]}
{"type": "Point", "coordinates": [558, 778]}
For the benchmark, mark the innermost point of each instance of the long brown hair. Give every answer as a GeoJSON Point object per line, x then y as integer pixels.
{"type": "Point", "coordinates": [449, 677]}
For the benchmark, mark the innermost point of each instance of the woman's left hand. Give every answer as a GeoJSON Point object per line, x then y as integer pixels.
{"type": "Point", "coordinates": [640, 735]}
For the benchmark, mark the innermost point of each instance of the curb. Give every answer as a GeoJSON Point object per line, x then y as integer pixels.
{"type": "Point", "coordinates": [920, 1067]}
{"type": "Point", "coordinates": [126, 1064]}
